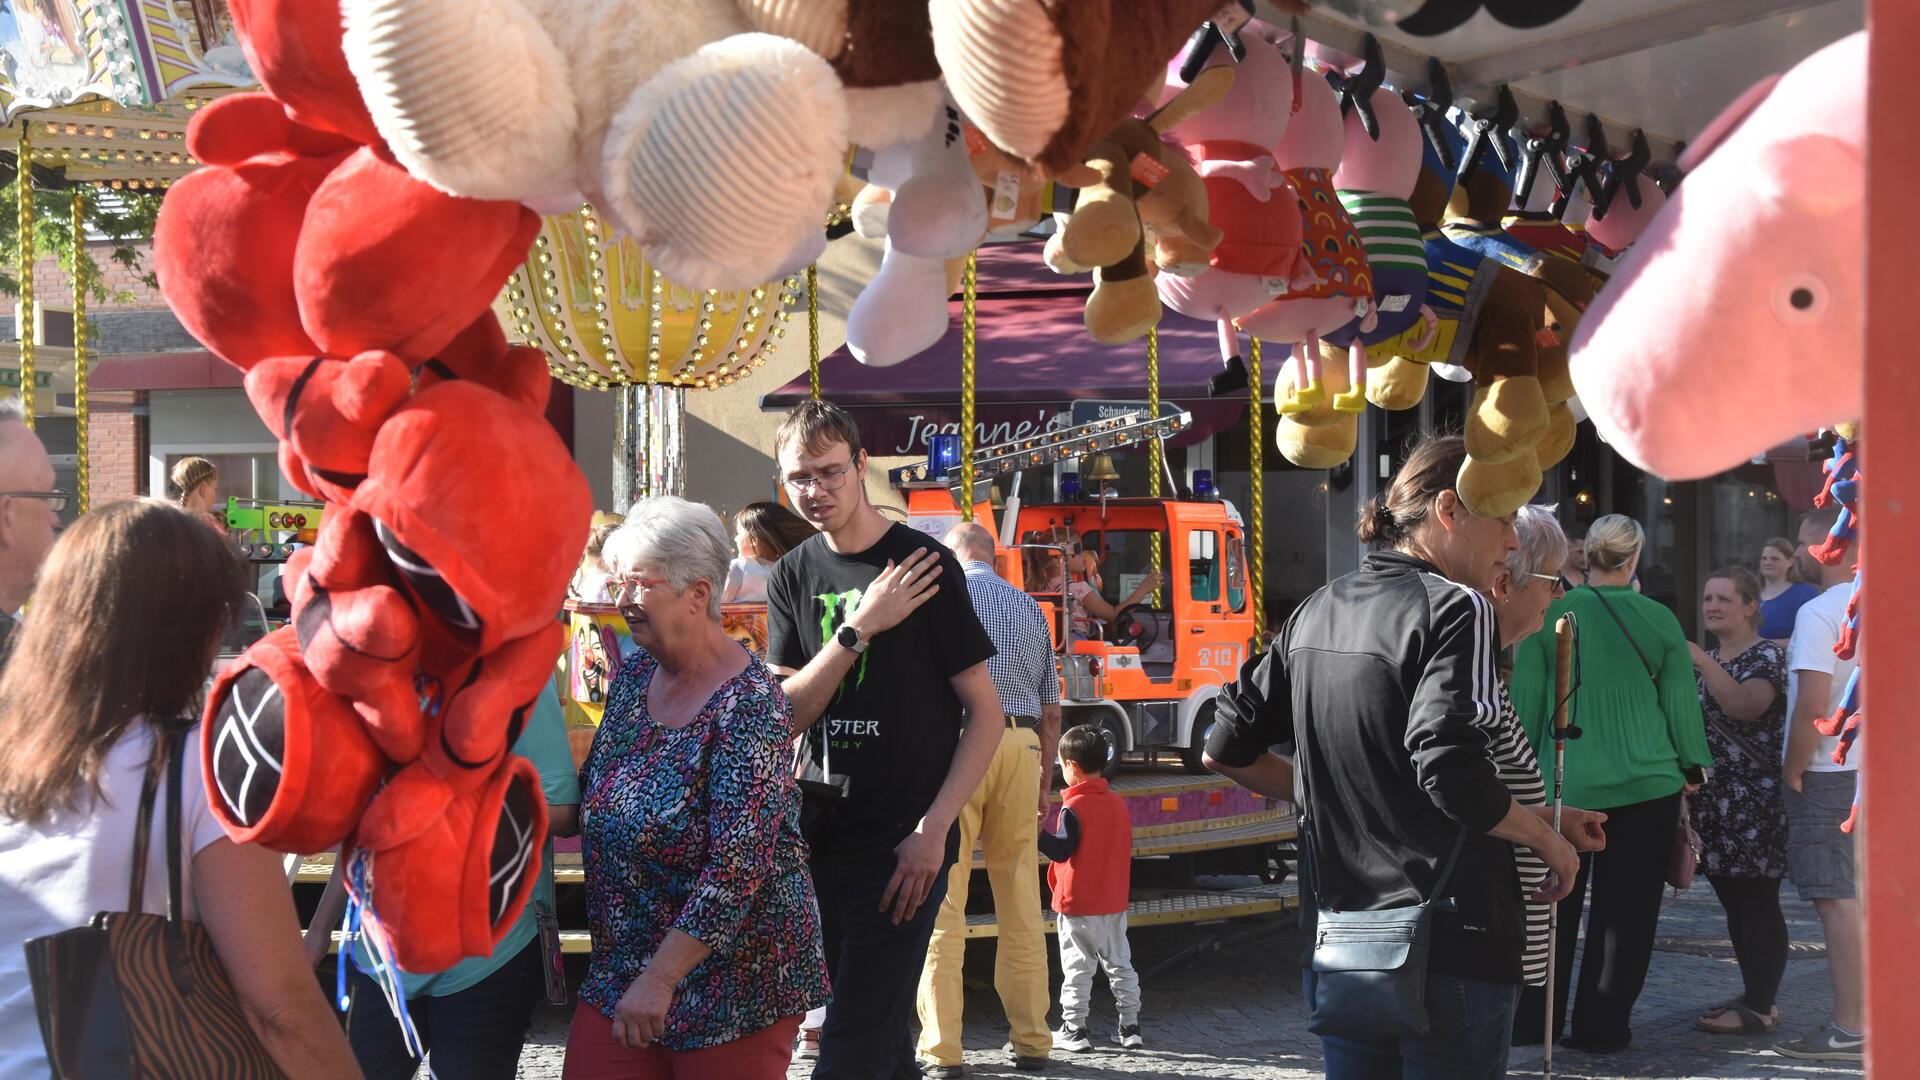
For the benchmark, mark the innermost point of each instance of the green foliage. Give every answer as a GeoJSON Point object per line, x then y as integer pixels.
{"type": "Point", "coordinates": [124, 219]}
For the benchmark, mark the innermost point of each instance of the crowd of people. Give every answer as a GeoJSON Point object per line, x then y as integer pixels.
{"type": "Point", "coordinates": [777, 849]}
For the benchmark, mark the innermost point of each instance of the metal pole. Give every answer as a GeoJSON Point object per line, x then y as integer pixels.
{"type": "Point", "coordinates": [813, 330]}
{"type": "Point", "coordinates": [83, 483]}
{"type": "Point", "coordinates": [1564, 633]}
{"type": "Point", "coordinates": [1257, 474]}
{"type": "Point", "coordinates": [1156, 453]}
{"type": "Point", "coordinates": [968, 283]}
{"type": "Point", "coordinates": [23, 184]}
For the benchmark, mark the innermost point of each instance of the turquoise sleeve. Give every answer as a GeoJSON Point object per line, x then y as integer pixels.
{"type": "Point", "coordinates": [544, 742]}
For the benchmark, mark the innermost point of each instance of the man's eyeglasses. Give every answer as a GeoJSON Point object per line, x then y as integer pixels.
{"type": "Point", "coordinates": [825, 480]}
{"type": "Point", "coordinates": [1559, 583]}
{"type": "Point", "coordinates": [56, 500]}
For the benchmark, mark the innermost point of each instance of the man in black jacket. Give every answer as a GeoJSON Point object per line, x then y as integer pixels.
{"type": "Point", "coordinates": [1380, 689]}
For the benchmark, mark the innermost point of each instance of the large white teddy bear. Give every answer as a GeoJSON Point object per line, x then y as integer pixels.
{"type": "Point", "coordinates": [712, 144]}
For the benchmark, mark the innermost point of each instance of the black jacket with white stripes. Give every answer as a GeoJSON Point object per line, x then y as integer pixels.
{"type": "Point", "coordinates": [1387, 677]}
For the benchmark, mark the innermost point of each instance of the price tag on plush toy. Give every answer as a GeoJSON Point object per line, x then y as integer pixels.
{"type": "Point", "coordinates": [1276, 286]}
{"type": "Point", "coordinates": [976, 142]}
{"type": "Point", "coordinates": [1231, 17]}
{"type": "Point", "coordinates": [1396, 302]}
{"type": "Point", "coordinates": [1006, 196]}
{"type": "Point", "coordinates": [1545, 338]}
{"type": "Point", "coordinates": [1145, 170]}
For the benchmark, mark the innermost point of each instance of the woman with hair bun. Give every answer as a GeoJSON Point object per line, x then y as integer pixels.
{"type": "Point", "coordinates": [1642, 745]}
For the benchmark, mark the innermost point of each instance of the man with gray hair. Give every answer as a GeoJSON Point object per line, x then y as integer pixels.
{"type": "Point", "coordinates": [30, 509]}
{"type": "Point", "coordinates": [1024, 673]}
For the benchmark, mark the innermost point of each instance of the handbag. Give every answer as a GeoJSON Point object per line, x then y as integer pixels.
{"type": "Point", "coordinates": [1683, 857]}
{"type": "Point", "coordinates": [137, 995]}
{"type": "Point", "coordinates": [1369, 967]}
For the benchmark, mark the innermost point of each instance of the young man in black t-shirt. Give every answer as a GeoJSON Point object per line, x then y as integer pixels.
{"type": "Point", "coordinates": [884, 660]}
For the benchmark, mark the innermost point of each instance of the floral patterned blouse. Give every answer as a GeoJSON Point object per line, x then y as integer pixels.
{"type": "Point", "coordinates": [697, 829]}
{"type": "Point", "coordinates": [1741, 821]}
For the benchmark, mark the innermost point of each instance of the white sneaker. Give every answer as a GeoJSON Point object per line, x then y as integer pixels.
{"type": "Point", "coordinates": [1130, 1036]}
{"type": "Point", "coordinates": [1069, 1037]}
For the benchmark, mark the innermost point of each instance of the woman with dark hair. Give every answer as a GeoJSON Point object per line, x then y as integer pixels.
{"type": "Point", "coordinates": [1782, 592]}
{"type": "Point", "coordinates": [1382, 687]}
{"type": "Point", "coordinates": [1740, 814]}
{"type": "Point", "coordinates": [762, 532]}
{"type": "Point", "coordinates": [127, 616]}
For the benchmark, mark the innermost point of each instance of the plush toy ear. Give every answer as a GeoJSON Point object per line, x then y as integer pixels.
{"type": "Point", "coordinates": [1204, 92]}
{"type": "Point", "coordinates": [371, 387]}
{"type": "Point", "coordinates": [293, 48]}
{"type": "Point", "coordinates": [235, 128]}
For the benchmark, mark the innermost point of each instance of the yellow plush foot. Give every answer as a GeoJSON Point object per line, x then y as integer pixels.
{"type": "Point", "coordinates": [1303, 398]}
{"type": "Point", "coordinates": [1351, 401]}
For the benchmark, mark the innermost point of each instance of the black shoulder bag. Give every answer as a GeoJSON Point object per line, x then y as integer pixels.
{"type": "Point", "coordinates": [1369, 967]}
{"type": "Point", "coordinates": [138, 995]}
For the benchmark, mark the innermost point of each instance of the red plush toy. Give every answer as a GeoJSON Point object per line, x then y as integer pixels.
{"type": "Point", "coordinates": [359, 634]}
{"type": "Point", "coordinates": [325, 413]}
{"type": "Point", "coordinates": [293, 48]}
{"type": "Point", "coordinates": [288, 764]}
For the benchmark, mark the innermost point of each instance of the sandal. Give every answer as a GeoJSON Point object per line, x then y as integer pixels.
{"type": "Point", "coordinates": [1736, 1018]}
{"type": "Point", "coordinates": [809, 1044]}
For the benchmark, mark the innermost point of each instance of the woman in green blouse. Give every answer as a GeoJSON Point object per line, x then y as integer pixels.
{"type": "Point", "coordinates": [1642, 745]}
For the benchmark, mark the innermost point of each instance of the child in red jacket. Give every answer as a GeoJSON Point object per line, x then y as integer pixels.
{"type": "Point", "coordinates": [1092, 860]}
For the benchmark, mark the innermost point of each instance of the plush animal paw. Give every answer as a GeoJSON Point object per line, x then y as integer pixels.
{"type": "Point", "coordinates": [1397, 384]}
{"type": "Point", "coordinates": [1557, 443]}
{"type": "Point", "coordinates": [901, 312]}
{"type": "Point", "coordinates": [325, 413]}
{"type": "Point", "coordinates": [1506, 420]}
{"type": "Point", "coordinates": [449, 871]}
{"type": "Point", "coordinates": [1311, 442]}
{"type": "Point", "coordinates": [360, 637]}
{"type": "Point", "coordinates": [294, 48]}
{"type": "Point", "coordinates": [1121, 311]}
{"type": "Point", "coordinates": [712, 207]}
{"type": "Point", "coordinates": [1496, 489]}
{"type": "Point", "coordinates": [479, 709]}
{"type": "Point", "coordinates": [287, 763]}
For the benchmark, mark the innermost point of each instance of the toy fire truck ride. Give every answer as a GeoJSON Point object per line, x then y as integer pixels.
{"type": "Point", "coordinates": [1147, 679]}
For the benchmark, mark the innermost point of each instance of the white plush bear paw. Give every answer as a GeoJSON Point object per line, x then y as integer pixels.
{"type": "Point", "coordinates": [723, 164]}
{"type": "Point", "coordinates": [472, 96]}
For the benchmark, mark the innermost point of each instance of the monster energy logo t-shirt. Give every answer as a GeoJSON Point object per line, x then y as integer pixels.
{"type": "Point", "coordinates": [888, 736]}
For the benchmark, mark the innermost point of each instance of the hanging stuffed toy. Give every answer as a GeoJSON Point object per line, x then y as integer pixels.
{"type": "Point", "coordinates": [1378, 172]}
{"type": "Point", "coordinates": [1753, 266]}
{"type": "Point", "coordinates": [715, 148]}
{"type": "Point", "coordinates": [1248, 198]}
{"type": "Point", "coordinates": [1136, 187]}
{"type": "Point", "coordinates": [1336, 286]}
{"type": "Point", "coordinates": [1047, 79]}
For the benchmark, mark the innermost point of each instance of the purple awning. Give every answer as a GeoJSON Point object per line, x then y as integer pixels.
{"type": "Point", "coordinates": [1033, 357]}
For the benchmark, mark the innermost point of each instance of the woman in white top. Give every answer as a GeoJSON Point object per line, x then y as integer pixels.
{"type": "Point", "coordinates": [127, 615]}
{"type": "Point", "coordinates": [762, 532]}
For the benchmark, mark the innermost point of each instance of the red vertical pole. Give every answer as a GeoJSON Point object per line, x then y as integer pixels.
{"type": "Point", "coordinates": [1890, 624]}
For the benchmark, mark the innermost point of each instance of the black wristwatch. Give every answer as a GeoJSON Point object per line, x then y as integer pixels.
{"type": "Point", "coordinates": [850, 639]}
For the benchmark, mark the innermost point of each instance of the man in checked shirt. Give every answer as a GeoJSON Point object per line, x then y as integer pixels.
{"type": "Point", "coordinates": [1001, 816]}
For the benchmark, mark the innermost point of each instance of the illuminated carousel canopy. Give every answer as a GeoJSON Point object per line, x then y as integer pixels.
{"type": "Point", "coordinates": [606, 318]}
{"type": "Point", "coordinates": [56, 53]}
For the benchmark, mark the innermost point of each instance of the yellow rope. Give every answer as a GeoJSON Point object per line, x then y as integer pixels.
{"type": "Point", "coordinates": [83, 484]}
{"type": "Point", "coordinates": [1257, 471]}
{"type": "Point", "coordinates": [813, 330]}
{"type": "Point", "coordinates": [24, 185]}
{"type": "Point", "coordinates": [1154, 449]}
{"type": "Point", "coordinates": [967, 305]}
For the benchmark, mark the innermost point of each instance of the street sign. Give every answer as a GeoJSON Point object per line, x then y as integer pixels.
{"type": "Point", "coordinates": [1087, 410]}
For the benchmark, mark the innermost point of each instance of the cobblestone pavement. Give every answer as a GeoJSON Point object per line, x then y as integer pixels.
{"type": "Point", "coordinates": [1224, 1001]}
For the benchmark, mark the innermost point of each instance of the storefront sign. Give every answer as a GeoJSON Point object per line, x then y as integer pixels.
{"type": "Point", "coordinates": [1088, 410]}
{"type": "Point", "coordinates": [908, 430]}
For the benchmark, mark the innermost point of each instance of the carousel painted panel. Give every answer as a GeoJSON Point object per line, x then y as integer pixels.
{"type": "Point", "coordinates": [598, 641]}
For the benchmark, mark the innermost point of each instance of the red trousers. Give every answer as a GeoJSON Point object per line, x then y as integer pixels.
{"type": "Point", "coordinates": [593, 1055]}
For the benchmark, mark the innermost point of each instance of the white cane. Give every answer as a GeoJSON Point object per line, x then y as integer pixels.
{"type": "Point", "coordinates": [1564, 632]}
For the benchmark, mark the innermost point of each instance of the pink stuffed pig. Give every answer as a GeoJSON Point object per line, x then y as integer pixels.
{"type": "Point", "coordinates": [1624, 221]}
{"type": "Point", "coordinates": [1248, 197]}
{"type": "Point", "coordinates": [1336, 284]}
{"type": "Point", "coordinates": [1695, 356]}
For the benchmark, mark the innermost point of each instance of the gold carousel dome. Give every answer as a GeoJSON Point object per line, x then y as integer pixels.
{"type": "Point", "coordinates": [606, 318]}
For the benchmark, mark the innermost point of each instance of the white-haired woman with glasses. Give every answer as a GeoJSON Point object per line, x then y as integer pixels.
{"type": "Point", "coordinates": [706, 943]}
{"type": "Point", "coordinates": [1522, 589]}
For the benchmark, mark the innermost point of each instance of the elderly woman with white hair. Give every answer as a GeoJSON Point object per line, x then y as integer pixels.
{"type": "Point", "coordinates": [1522, 588]}
{"type": "Point", "coordinates": [1643, 743]}
{"type": "Point", "coordinates": [706, 941]}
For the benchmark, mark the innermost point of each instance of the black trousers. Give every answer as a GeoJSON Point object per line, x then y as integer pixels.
{"type": "Point", "coordinates": [1627, 879]}
{"type": "Point", "coordinates": [477, 1032]}
{"type": "Point", "coordinates": [875, 967]}
{"type": "Point", "coordinates": [1759, 932]}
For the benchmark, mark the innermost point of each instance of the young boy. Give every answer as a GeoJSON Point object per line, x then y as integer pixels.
{"type": "Point", "coordinates": [1091, 865]}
